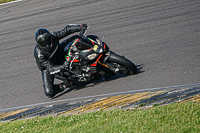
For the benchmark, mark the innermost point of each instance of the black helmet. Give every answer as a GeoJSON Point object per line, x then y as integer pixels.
{"type": "Point", "coordinates": [43, 38]}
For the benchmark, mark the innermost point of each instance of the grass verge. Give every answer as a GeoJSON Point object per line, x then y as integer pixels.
{"type": "Point", "coordinates": [4, 1]}
{"type": "Point", "coordinates": [184, 118]}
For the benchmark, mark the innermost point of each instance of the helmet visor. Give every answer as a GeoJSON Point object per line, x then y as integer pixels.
{"type": "Point", "coordinates": [46, 44]}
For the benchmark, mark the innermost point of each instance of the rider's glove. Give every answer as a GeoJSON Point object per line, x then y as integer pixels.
{"type": "Point", "coordinates": [64, 67]}
{"type": "Point", "coordinates": [84, 26]}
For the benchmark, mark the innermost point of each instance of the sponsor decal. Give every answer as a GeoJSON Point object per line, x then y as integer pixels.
{"type": "Point", "coordinates": [54, 72]}
{"type": "Point", "coordinates": [95, 47]}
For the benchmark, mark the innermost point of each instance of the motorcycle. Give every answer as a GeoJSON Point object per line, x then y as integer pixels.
{"type": "Point", "coordinates": [91, 59]}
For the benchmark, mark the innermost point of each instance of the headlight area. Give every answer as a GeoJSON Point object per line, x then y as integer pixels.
{"type": "Point", "coordinates": [92, 56]}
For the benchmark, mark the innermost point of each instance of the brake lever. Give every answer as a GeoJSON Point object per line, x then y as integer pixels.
{"type": "Point", "coordinates": [86, 30]}
{"type": "Point", "coordinates": [83, 32]}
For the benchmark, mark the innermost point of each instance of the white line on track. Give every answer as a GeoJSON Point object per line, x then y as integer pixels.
{"type": "Point", "coordinates": [98, 96]}
{"type": "Point", "coordinates": [11, 2]}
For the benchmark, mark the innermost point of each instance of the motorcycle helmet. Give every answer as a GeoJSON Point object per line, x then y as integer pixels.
{"type": "Point", "coordinates": [43, 38]}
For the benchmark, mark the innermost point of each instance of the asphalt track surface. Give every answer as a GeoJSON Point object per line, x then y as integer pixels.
{"type": "Point", "coordinates": [162, 37]}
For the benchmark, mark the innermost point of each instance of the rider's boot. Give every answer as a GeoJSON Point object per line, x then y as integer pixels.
{"type": "Point", "coordinates": [63, 86]}
{"type": "Point", "coordinates": [58, 88]}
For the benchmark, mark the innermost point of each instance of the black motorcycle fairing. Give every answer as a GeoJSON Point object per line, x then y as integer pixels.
{"type": "Point", "coordinates": [107, 55]}
{"type": "Point", "coordinates": [69, 42]}
{"type": "Point", "coordinates": [84, 43]}
{"type": "Point", "coordinates": [99, 41]}
{"type": "Point", "coordinates": [93, 37]}
{"type": "Point", "coordinates": [76, 43]}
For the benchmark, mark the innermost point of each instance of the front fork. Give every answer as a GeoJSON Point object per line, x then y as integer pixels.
{"type": "Point", "coordinates": [104, 63]}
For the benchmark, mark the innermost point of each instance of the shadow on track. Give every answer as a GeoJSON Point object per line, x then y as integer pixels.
{"type": "Point", "coordinates": [96, 82]}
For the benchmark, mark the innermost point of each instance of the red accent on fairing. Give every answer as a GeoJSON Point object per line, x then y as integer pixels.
{"type": "Point", "coordinates": [88, 50]}
{"type": "Point", "coordinates": [92, 42]}
{"type": "Point", "coordinates": [74, 60]}
{"type": "Point", "coordinates": [99, 58]}
{"type": "Point", "coordinates": [94, 64]}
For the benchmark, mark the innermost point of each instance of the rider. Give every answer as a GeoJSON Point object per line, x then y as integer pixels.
{"type": "Point", "coordinates": [49, 55]}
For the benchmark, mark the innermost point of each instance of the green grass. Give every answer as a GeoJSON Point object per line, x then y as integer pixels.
{"type": "Point", "coordinates": [173, 118]}
{"type": "Point", "coordinates": [4, 1]}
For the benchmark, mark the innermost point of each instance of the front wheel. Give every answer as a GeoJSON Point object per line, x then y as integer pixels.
{"type": "Point", "coordinates": [122, 65]}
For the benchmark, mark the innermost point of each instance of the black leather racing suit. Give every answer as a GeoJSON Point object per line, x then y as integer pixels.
{"type": "Point", "coordinates": [51, 60]}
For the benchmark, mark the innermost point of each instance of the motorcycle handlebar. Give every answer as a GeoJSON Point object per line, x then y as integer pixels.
{"type": "Point", "coordinates": [83, 32]}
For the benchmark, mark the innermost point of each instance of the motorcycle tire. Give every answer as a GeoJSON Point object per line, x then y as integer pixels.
{"type": "Point", "coordinates": [125, 66]}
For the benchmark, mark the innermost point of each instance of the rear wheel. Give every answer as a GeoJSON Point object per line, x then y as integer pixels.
{"type": "Point", "coordinates": [122, 65]}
